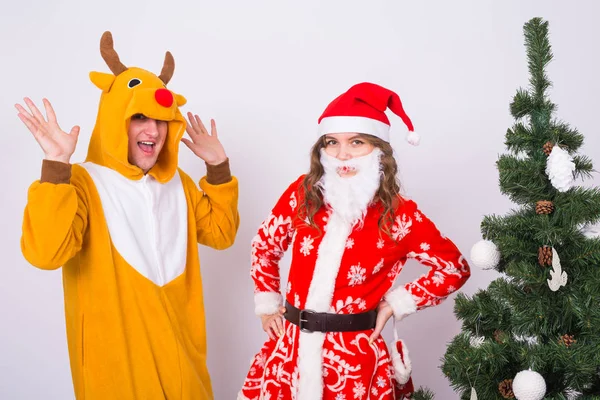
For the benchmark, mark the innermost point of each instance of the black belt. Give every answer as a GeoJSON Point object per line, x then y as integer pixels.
{"type": "Point", "coordinates": [310, 321]}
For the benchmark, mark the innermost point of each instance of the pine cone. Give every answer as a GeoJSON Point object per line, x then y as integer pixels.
{"type": "Point", "coordinates": [545, 256]}
{"type": "Point", "coordinates": [499, 336]}
{"type": "Point", "coordinates": [505, 389]}
{"type": "Point", "coordinates": [548, 148]}
{"type": "Point", "coordinates": [567, 340]}
{"type": "Point", "coordinates": [544, 207]}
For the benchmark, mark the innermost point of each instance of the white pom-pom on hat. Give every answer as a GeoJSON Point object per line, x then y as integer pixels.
{"type": "Point", "coordinates": [413, 138]}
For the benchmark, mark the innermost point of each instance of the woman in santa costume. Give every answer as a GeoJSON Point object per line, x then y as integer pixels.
{"type": "Point", "coordinates": [351, 233]}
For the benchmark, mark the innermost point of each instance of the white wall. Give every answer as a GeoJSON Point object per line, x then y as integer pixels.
{"type": "Point", "coordinates": [265, 70]}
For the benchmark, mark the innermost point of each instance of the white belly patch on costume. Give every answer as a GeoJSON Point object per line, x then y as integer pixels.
{"type": "Point", "coordinates": [147, 221]}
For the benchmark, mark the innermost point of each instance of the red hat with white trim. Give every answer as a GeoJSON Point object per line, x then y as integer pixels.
{"type": "Point", "coordinates": [362, 109]}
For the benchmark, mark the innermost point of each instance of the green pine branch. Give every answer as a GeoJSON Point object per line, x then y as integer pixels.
{"type": "Point", "coordinates": [524, 181]}
{"type": "Point", "coordinates": [583, 166]}
{"type": "Point", "coordinates": [539, 55]}
{"type": "Point", "coordinates": [422, 394]}
{"type": "Point", "coordinates": [578, 206]}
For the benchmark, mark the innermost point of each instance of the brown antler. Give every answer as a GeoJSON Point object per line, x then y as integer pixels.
{"type": "Point", "coordinates": [110, 55]}
{"type": "Point", "coordinates": [168, 68]}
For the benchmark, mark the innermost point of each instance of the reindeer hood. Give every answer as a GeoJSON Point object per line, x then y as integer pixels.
{"type": "Point", "coordinates": [130, 91]}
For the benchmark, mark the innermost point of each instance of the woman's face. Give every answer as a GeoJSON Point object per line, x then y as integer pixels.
{"type": "Point", "coordinates": [346, 146]}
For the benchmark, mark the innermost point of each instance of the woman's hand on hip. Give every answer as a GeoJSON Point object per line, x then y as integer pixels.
{"type": "Point", "coordinates": [384, 313]}
{"type": "Point", "coordinates": [273, 323]}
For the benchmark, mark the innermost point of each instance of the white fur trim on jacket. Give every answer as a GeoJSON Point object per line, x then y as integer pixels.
{"type": "Point", "coordinates": [320, 294]}
{"type": "Point", "coordinates": [402, 365]}
{"type": "Point", "coordinates": [240, 396]}
{"type": "Point", "coordinates": [402, 302]}
{"type": "Point", "coordinates": [267, 302]}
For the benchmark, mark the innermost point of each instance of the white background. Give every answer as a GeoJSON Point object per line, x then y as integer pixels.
{"type": "Point", "coordinates": [265, 70]}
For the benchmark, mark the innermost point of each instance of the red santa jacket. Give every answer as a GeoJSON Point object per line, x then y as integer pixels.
{"type": "Point", "coordinates": [344, 269]}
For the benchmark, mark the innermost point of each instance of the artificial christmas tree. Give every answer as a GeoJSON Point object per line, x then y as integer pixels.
{"type": "Point", "coordinates": [535, 332]}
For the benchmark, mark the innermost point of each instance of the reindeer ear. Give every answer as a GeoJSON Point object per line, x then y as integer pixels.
{"type": "Point", "coordinates": [180, 100]}
{"type": "Point", "coordinates": [101, 80]}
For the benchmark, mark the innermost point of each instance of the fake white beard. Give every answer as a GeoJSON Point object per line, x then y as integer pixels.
{"type": "Point", "coordinates": [350, 196]}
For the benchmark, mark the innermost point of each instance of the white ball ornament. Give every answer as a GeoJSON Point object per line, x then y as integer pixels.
{"type": "Point", "coordinates": [529, 385]}
{"type": "Point", "coordinates": [485, 254]}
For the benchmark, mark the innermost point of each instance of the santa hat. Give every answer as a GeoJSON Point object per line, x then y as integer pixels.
{"type": "Point", "coordinates": [362, 109]}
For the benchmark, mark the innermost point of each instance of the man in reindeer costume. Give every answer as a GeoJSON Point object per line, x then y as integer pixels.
{"type": "Point", "coordinates": [124, 225]}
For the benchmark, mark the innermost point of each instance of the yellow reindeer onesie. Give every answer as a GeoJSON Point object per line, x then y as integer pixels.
{"type": "Point", "coordinates": [128, 246]}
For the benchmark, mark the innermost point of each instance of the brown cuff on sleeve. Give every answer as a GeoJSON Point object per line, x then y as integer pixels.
{"type": "Point", "coordinates": [55, 172]}
{"type": "Point", "coordinates": [218, 174]}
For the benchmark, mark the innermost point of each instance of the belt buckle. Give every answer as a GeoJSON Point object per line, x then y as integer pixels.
{"type": "Point", "coordinates": [301, 320]}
